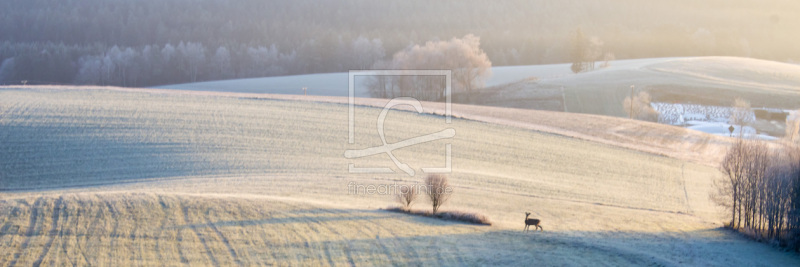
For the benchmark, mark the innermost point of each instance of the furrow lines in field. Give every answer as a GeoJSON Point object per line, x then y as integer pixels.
{"type": "Point", "coordinates": [70, 227]}
{"type": "Point", "coordinates": [224, 240]}
{"type": "Point", "coordinates": [365, 233]}
{"type": "Point", "coordinates": [92, 231]}
{"type": "Point", "coordinates": [131, 212]}
{"type": "Point", "coordinates": [179, 239]}
{"type": "Point", "coordinates": [164, 220]}
{"type": "Point", "coordinates": [7, 221]}
{"type": "Point", "coordinates": [302, 233]}
{"type": "Point", "coordinates": [410, 249]}
{"type": "Point", "coordinates": [4, 232]}
{"type": "Point", "coordinates": [199, 235]}
{"type": "Point", "coordinates": [268, 244]}
{"type": "Point", "coordinates": [115, 217]}
{"type": "Point", "coordinates": [333, 230]}
{"type": "Point", "coordinates": [30, 232]}
{"type": "Point", "coordinates": [347, 250]}
{"type": "Point", "coordinates": [57, 209]}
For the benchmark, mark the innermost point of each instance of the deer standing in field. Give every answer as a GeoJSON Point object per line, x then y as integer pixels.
{"type": "Point", "coordinates": [529, 222]}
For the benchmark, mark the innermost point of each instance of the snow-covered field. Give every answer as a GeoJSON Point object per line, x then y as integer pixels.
{"type": "Point", "coordinates": [336, 84]}
{"type": "Point", "coordinates": [325, 84]}
{"type": "Point", "coordinates": [128, 177]}
{"type": "Point", "coordinates": [699, 80]}
{"type": "Point", "coordinates": [718, 72]}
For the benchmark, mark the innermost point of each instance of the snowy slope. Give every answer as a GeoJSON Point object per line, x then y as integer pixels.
{"type": "Point", "coordinates": [148, 177]}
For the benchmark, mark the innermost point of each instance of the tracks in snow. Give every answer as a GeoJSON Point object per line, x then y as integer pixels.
{"type": "Point", "coordinates": [30, 232]}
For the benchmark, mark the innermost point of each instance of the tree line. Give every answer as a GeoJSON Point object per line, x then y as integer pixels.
{"type": "Point", "coordinates": [57, 63]}
{"type": "Point", "coordinates": [50, 40]}
{"type": "Point", "coordinates": [761, 190]}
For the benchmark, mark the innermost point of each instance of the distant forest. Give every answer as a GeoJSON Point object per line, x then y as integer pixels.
{"type": "Point", "coordinates": [153, 42]}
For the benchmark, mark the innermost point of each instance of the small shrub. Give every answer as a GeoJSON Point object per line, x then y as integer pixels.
{"type": "Point", "coordinates": [461, 216]}
{"type": "Point", "coordinates": [407, 196]}
{"type": "Point", "coordinates": [469, 217]}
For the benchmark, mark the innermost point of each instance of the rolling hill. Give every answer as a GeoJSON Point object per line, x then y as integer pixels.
{"type": "Point", "coordinates": [112, 176]}
{"type": "Point", "coordinates": [710, 81]}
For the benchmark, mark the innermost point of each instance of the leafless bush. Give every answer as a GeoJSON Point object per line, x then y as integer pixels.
{"type": "Point", "coordinates": [639, 108]}
{"type": "Point", "coordinates": [463, 56]}
{"type": "Point", "coordinates": [741, 114]}
{"type": "Point", "coordinates": [721, 195]}
{"type": "Point", "coordinates": [437, 187]}
{"type": "Point", "coordinates": [793, 127]}
{"type": "Point", "coordinates": [606, 58]}
{"type": "Point", "coordinates": [407, 196]}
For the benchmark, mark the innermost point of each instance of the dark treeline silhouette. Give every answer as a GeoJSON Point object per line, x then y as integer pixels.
{"type": "Point", "coordinates": [60, 41]}
{"type": "Point", "coordinates": [761, 189]}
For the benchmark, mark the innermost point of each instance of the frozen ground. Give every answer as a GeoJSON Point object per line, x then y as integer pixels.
{"type": "Point", "coordinates": [710, 81]}
{"type": "Point", "coordinates": [336, 84]}
{"type": "Point", "coordinates": [738, 74]}
{"type": "Point", "coordinates": [158, 177]}
{"type": "Point", "coordinates": [708, 119]}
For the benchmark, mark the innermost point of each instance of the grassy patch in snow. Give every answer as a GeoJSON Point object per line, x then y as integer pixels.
{"type": "Point", "coordinates": [459, 216]}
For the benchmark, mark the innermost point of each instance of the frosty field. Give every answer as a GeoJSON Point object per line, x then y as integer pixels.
{"type": "Point", "coordinates": [707, 80]}
{"type": "Point", "coordinates": [109, 176]}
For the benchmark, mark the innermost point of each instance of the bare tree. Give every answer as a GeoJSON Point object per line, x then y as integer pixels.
{"type": "Point", "coordinates": [741, 114]}
{"type": "Point", "coordinates": [763, 188]}
{"type": "Point", "coordinates": [734, 168]}
{"type": "Point", "coordinates": [90, 69]}
{"type": "Point", "coordinates": [193, 59]}
{"type": "Point", "coordinates": [793, 126]}
{"type": "Point", "coordinates": [578, 53]}
{"type": "Point", "coordinates": [469, 65]}
{"type": "Point", "coordinates": [407, 195]}
{"type": "Point", "coordinates": [641, 108]}
{"type": "Point", "coordinates": [265, 61]}
{"type": "Point", "coordinates": [585, 52]}
{"type": "Point", "coordinates": [438, 190]}
{"type": "Point", "coordinates": [722, 195]}
{"type": "Point", "coordinates": [594, 51]}
{"type": "Point", "coordinates": [380, 86]}
{"type": "Point", "coordinates": [221, 64]}
{"type": "Point", "coordinates": [607, 57]}
{"type": "Point", "coordinates": [366, 52]}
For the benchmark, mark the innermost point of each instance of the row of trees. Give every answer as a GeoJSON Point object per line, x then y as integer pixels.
{"type": "Point", "coordinates": [586, 51]}
{"type": "Point", "coordinates": [436, 188]}
{"type": "Point", "coordinates": [761, 189]}
{"type": "Point", "coordinates": [172, 63]}
{"type": "Point", "coordinates": [319, 34]}
{"type": "Point", "coordinates": [463, 56]}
